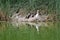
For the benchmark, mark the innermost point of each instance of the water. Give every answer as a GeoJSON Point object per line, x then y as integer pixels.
{"type": "Point", "coordinates": [37, 25]}
{"type": "Point", "coordinates": [29, 31]}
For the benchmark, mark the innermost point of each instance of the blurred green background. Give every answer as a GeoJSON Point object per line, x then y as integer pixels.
{"type": "Point", "coordinates": [9, 7]}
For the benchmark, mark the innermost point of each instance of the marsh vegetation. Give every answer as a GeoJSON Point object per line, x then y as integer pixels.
{"type": "Point", "coordinates": [11, 27]}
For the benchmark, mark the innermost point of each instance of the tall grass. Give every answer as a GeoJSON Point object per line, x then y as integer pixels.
{"type": "Point", "coordinates": [11, 6]}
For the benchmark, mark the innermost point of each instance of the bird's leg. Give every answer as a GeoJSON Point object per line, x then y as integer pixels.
{"type": "Point", "coordinates": [37, 28]}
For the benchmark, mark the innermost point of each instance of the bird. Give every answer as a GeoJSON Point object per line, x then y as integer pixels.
{"type": "Point", "coordinates": [28, 16]}
{"type": "Point", "coordinates": [36, 15]}
{"type": "Point", "coordinates": [31, 15]}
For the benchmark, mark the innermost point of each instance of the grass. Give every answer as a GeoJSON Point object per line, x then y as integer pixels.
{"type": "Point", "coordinates": [26, 33]}
{"type": "Point", "coordinates": [11, 6]}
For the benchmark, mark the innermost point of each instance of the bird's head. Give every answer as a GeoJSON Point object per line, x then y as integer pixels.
{"type": "Point", "coordinates": [37, 10]}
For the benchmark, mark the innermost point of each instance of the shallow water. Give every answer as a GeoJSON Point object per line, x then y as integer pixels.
{"type": "Point", "coordinates": [29, 31]}
{"type": "Point", "coordinates": [37, 25]}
